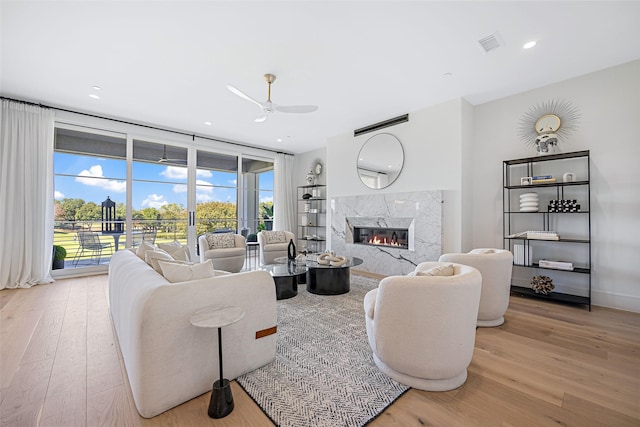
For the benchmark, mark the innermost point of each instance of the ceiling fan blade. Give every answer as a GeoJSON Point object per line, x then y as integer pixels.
{"type": "Point", "coordinates": [295, 108]}
{"type": "Point", "coordinates": [243, 95]}
{"type": "Point", "coordinates": [261, 118]}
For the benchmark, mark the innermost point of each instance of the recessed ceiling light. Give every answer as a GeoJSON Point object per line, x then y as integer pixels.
{"type": "Point", "coordinates": [279, 139]}
{"type": "Point", "coordinates": [447, 75]}
{"type": "Point", "coordinates": [208, 123]}
{"type": "Point", "coordinates": [96, 88]}
{"type": "Point", "coordinates": [94, 96]}
{"type": "Point", "coordinates": [529, 45]}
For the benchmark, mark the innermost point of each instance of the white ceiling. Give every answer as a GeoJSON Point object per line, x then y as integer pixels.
{"type": "Point", "coordinates": [167, 63]}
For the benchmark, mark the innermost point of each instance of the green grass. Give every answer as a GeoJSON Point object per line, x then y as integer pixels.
{"type": "Point", "coordinates": [68, 240]}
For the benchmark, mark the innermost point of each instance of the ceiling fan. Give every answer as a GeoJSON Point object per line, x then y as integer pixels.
{"type": "Point", "coordinates": [269, 107]}
{"type": "Point", "coordinates": [164, 158]}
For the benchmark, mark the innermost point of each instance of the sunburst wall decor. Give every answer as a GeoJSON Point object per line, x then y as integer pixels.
{"type": "Point", "coordinates": [548, 123]}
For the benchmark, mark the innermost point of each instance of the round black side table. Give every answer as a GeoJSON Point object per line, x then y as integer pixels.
{"type": "Point", "coordinates": [218, 316]}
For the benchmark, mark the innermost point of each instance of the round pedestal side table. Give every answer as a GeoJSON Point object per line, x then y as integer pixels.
{"type": "Point", "coordinates": [218, 316]}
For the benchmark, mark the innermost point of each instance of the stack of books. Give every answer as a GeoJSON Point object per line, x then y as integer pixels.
{"type": "Point", "coordinates": [542, 179]}
{"type": "Point", "coordinates": [522, 255]}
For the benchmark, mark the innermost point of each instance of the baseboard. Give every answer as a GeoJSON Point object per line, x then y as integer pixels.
{"type": "Point", "coordinates": [617, 301]}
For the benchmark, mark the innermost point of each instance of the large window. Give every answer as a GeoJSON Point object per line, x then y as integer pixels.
{"type": "Point", "coordinates": [171, 199]}
{"type": "Point", "coordinates": [89, 170]}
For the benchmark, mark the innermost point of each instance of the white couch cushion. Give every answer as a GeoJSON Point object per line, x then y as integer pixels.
{"type": "Point", "coordinates": [152, 258]}
{"type": "Point", "coordinates": [175, 272]}
{"type": "Point", "coordinates": [441, 270]}
{"type": "Point", "coordinates": [176, 250]}
{"type": "Point", "coordinates": [274, 237]}
{"type": "Point", "coordinates": [217, 241]}
{"type": "Point", "coordinates": [144, 247]}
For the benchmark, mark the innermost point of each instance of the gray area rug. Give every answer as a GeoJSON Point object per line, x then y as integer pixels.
{"type": "Point", "coordinates": [324, 374]}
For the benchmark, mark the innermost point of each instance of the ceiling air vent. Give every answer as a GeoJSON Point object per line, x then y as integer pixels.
{"type": "Point", "coordinates": [491, 42]}
{"type": "Point", "coordinates": [382, 125]}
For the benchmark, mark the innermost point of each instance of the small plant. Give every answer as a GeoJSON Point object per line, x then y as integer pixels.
{"type": "Point", "coordinates": [252, 238]}
{"type": "Point", "coordinates": [261, 226]}
{"type": "Point", "coordinates": [59, 253]}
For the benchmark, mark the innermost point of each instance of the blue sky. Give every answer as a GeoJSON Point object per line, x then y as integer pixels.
{"type": "Point", "coordinates": [154, 184]}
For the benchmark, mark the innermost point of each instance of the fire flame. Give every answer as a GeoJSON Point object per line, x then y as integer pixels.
{"type": "Point", "coordinates": [376, 240]}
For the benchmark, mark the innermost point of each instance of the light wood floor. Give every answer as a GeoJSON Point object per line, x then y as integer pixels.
{"type": "Point", "coordinates": [548, 364]}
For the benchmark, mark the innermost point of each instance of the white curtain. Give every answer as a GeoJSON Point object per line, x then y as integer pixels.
{"type": "Point", "coordinates": [284, 208]}
{"type": "Point", "coordinates": [26, 195]}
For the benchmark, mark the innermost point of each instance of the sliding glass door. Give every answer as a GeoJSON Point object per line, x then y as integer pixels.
{"type": "Point", "coordinates": [159, 189]}
{"type": "Point", "coordinates": [116, 191]}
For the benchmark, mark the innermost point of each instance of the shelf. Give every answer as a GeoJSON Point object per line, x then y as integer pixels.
{"type": "Point", "coordinates": [553, 296]}
{"type": "Point", "coordinates": [312, 199]}
{"type": "Point", "coordinates": [559, 222]}
{"type": "Point", "coordinates": [547, 157]}
{"type": "Point", "coordinates": [546, 184]}
{"type": "Point", "coordinates": [312, 240]}
{"type": "Point", "coordinates": [549, 240]}
{"type": "Point", "coordinates": [575, 269]}
{"type": "Point", "coordinates": [312, 226]}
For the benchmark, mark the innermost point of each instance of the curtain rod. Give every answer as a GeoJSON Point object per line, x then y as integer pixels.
{"type": "Point", "coordinates": [192, 135]}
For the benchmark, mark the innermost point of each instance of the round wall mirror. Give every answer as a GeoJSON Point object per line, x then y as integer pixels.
{"type": "Point", "coordinates": [380, 161]}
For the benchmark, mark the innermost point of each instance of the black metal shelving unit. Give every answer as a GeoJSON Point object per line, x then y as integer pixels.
{"type": "Point", "coordinates": [544, 220]}
{"type": "Point", "coordinates": [316, 215]}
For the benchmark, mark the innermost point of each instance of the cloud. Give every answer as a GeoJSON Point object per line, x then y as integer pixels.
{"type": "Point", "coordinates": [58, 195]}
{"type": "Point", "coordinates": [266, 199]}
{"type": "Point", "coordinates": [95, 178]}
{"type": "Point", "coordinates": [174, 172]}
{"type": "Point", "coordinates": [154, 201]}
{"type": "Point", "coordinates": [180, 172]}
{"type": "Point", "coordinates": [202, 187]}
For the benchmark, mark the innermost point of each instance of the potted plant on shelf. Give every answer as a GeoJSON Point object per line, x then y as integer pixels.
{"type": "Point", "coordinates": [59, 254]}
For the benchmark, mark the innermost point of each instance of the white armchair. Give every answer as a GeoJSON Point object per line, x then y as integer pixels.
{"type": "Point", "coordinates": [495, 266]}
{"type": "Point", "coordinates": [273, 244]}
{"type": "Point", "coordinates": [227, 253]}
{"type": "Point", "coordinates": [422, 328]}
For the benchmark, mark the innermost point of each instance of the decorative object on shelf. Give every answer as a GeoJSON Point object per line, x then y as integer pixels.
{"type": "Point", "coordinates": [569, 177]}
{"type": "Point", "coordinates": [317, 192]}
{"type": "Point", "coordinates": [291, 250]}
{"type": "Point", "coordinates": [330, 258]}
{"type": "Point", "coordinates": [529, 202]}
{"type": "Point", "coordinates": [317, 168]}
{"type": "Point", "coordinates": [542, 285]}
{"type": "Point", "coordinates": [547, 124]}
{"type": "Point", "coordinates": [563, 206]}
{"type": "Point", "coordinates": [525, 180]}
{"type": "Point", "coordinates": [311, 178]}
{"type": "Point", "coordinates": [306, 196]}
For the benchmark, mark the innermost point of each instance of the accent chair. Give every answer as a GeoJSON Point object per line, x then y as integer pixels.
{"type": "Point", "coordinates": [422, 328]}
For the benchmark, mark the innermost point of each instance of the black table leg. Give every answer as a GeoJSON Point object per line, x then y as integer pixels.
{"type": "Point", "coordinates": [221, 403]}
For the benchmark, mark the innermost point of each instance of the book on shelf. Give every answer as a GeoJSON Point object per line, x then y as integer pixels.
{"type": "Point", "coordinates": [558, 265]}
{"type": "Point", "coordinates": [535, 177]}
{"type": "Point", "coordinates": [522, 255]}
{"type": "Point", "coordinates": [536, 235]}
{"type": "Point", "coordinates": [543, 180]}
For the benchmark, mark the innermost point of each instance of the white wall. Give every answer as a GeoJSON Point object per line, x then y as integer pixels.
{"type": "Point", "coordinates": [609, 102]}
{"type": "Point", "coordinates": [432, 143]}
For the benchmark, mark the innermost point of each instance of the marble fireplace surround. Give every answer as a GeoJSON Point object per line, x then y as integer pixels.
{"type": "Point", "coordinates": [418, 211]}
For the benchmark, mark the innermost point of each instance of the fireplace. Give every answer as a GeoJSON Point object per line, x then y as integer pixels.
{"type": "Point", "coordinates": [414, 217]}
{"type": "Point", "coordinates": [393, 237]}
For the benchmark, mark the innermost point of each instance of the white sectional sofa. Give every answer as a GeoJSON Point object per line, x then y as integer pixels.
{"type": "Point", "coordinates": [168, 360]}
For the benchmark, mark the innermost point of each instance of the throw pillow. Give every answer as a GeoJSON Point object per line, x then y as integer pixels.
{"type": "Point", "coordinates": [217, 241]}
{"type": "Point", "coordinates": [482, 251]}
{"type": "Point", "coordinates": [441, 270]}
{"type": "Point", "coordinates": [152, 258]}
{"type": "Point", "coordinates": [176, 250]}
{"type": "Point", "coordinates": [184, 272]}
{"type": "Point", "coordinates": [274, 237]}
{"type": "Point", "coordinates": [144, 247]}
